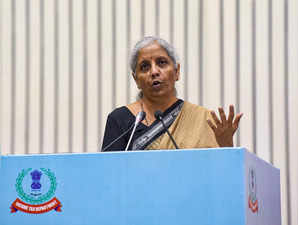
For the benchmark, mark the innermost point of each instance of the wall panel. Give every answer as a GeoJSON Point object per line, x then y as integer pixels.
{"type": "Point", "coordinates": [211, 55]}
{"type": "Point", "coordinates": [246, 69]}
{"type": "Point", "coordinates": [35, 78]}
{"type": "Point", "coordinates": [262, 80]}
{"type": "Point", "coordinates": [120, 64]}
{"type": "Point", "coordinates": [179, 43]}
{"type": "Point", "coordinates": [278, 111]}
{"type": "Point", "coordinates": [164, 19]}
{"type": "Point", "coordinates": [192, 15]}
{"type": "Point", "coordinates": [6, 78]}
{"type": "Point", "coordinates": [63, 69]}
{"type": "Point", "coordinates": [107, 88]}
{"type": "Point", "coordinates": [228, 54]}
{"type": "Point", "coordinates": [293, 109]}
{"type": "Point", "coordinates": [77, 78]}
{"type": "Point", "coordinates": [20, 77]}
{"type": "Point", "coordinates": [93, 113]}
{"type": "Point", "coordinates": [135, 35]}
{"type": "Point", "coordinates": [149, 10]}
{"type": "Point", "coordinates": [49, 76]}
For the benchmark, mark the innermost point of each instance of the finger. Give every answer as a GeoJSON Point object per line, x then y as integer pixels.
{"type": "Point", "coordinates": [231, 114]}
{"type": "Point", "coordinates": [237, 119]}
{"type": "Point", "coordinates": [222, 115]}
{"type": "Point", "coordinates": [211, 125]}
{"type": "Point", "coordinates": [215, 118]}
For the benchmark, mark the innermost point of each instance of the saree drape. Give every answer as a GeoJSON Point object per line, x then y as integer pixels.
{"type": "Point", "coordinates": [190, 130]}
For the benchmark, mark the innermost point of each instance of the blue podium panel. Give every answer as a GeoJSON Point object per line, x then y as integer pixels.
{"type": "Point", "coordinates": [177, 187]}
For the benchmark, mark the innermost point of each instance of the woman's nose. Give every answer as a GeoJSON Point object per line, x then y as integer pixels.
{"type": "Point", "coordinates": [154, 70]}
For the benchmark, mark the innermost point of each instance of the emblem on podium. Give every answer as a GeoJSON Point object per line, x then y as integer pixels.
{"type": "Point", "coordinates": [252, 198]}
{"type": "Point", "coordinates": [36, 191]}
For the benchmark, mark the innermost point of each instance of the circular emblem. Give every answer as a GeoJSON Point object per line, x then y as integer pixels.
{"type": "Point", "coordinates": [36, 192]}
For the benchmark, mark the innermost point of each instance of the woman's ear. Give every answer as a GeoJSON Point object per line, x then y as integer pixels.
{"type": "Point", "coordinates": [136, 79]}
{"type": "Point", "coordinates": [134, 76]}
{"type": "Point", "coordinates": [177, 74]}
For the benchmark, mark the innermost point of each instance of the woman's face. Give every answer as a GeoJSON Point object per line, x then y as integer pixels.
{"type": "Point", "coordinates": [155, 72]}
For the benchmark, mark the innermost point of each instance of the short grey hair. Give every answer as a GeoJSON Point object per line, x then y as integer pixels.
{"type": "Point", "coordinates": [147, 41]}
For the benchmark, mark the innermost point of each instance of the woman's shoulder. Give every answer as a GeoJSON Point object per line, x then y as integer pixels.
{"type": "Point", "coordinates": [196, 108]}
{"type": "Point", "coordinates": [120, 112]}
{"type": "Point", "coordinates": [197, 113]}
{"type": "Point", "coordinates": [134, 107]}
{"type": "Point", "coordinates": [125, 111]}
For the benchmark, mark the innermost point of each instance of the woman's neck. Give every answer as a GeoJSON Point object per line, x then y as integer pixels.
{"type": "Point", "coordinates": [151, 106]}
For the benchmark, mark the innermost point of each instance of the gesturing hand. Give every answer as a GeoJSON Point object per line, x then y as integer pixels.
{"type": "Point", "coordinates": [224, 129]}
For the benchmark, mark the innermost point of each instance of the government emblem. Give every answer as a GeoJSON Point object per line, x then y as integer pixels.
{"type": "Point", "coordinates": [36, 192]}
{"type": "Point", "coordinates": [252, 198]}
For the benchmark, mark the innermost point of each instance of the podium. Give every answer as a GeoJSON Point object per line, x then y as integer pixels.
{"type": "Point", "coordinates": [224, 186]}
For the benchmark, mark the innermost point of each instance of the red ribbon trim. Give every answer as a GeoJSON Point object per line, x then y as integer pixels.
{"type": "Point", "coordinates": [36, 209]}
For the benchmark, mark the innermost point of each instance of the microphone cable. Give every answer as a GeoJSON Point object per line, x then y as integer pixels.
{"type": "Point", "coordinates": [105, 148]}
{"type": "Point", "coordinates": [158, 116]}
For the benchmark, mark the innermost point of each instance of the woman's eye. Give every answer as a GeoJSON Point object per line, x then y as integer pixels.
{"type": "Point", "coordinates": [144, 66]}
{"type": "Point", "coordinates": [162, 62]}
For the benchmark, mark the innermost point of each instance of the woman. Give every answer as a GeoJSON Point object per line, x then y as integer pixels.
{"type": "Point", "coordinates": [155, 69]}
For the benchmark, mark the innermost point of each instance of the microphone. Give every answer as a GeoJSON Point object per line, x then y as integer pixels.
{"type": "Point", "coordinates": [158, 116]}
{"type": "Point", "coordinates": [139, 118]}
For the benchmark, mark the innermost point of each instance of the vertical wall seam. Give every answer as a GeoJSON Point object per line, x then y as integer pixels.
{"type": "Point", "coordinates": [85, 76]}
{"type": "Point", "coordinates": [222, 53]}
{"type": "Point", "coordinates": [70, 85]}
{"type": "Point", "coordinates": [254, 111]}
{"type": "Point", "coordinates": [28, 77]}
{"type": "Point", "coordinates": [286, 106]}
{"type": "Point", "coordinates": [200, 50]}
{"type": "Point", "coordinates": [143, 18]}
{"type": "Point", "coordinates": [238, 60]}
{"type": "Point", "coordinates": [56, 75]}
{"type": "Point", "coordinates": [13, 76]}
{"type": "Point", "coordinates": [172, 22]}
{"type": "Point", "coordinates": [114, 58]}
{"type": "Point", "coordinates": [99, 75]}
{"type": "Point", "coordinates": [157, 16]}
{"type": "Point", "coordinates": [185, 88]}
{"type": "Point", "coordinates": [42, 79]}
{"type": "Point", "coordinates": [128, 43]}
{"type": "Point", "coordinates": [270, 51]}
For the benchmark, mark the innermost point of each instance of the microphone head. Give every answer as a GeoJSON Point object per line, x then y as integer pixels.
{"type": "Point", "coordinates": [158, 115]}
{"type": "Point", "coordinates": [140, 116]}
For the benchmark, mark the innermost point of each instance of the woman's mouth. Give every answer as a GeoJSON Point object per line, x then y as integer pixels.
{"type": "Point", "coordinates": [156, 84]}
